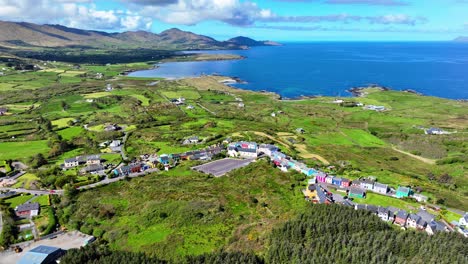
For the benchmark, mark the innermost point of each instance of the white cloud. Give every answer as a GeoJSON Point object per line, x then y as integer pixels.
{"type": "Point", "coordinates": [72, 13]}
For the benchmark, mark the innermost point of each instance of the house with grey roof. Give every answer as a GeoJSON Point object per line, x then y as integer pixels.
{"type": "Point", "coordinates": [435, 226]}
{"type": "Point", "coordinates": [27, 210]}
{"type": "Point", "coordinates": [384, 214]}
{"type": "Point", "coordinates": [367, 184]}
{"type": "Point", "coordinates": [380, 188]}
{"type": "Point", "coordinates": [427, 217]}
{"type": "Point", "coordinates": [415, 221]}
{"type": "Point", "coordinates": [401, 217]}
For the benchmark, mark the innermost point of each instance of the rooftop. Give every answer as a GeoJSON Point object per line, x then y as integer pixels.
{"type": "Point", "coordinates": [27, 207]}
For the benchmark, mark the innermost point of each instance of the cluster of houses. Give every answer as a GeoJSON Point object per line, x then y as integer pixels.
{"type": "Point", "coordinates": [358, 188]}
{"type": "Point", "coordinates": [252, 150]}
{"type": "Point", "coordinates": [167, 160]}
{"type": "Point", "coordinates": [422, 220]}
{"type": "Point", "coordinates": [93, 163]}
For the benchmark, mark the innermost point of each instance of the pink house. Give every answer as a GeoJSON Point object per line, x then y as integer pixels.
{"type": "Point", "coordinates": [321, 177]}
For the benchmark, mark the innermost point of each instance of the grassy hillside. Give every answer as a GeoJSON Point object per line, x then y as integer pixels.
{"type": "Point", "coordinates": [189, 213]}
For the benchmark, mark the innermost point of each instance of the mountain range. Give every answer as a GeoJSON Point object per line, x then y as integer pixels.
{"type": "Point", "coordinates": [28, 35]}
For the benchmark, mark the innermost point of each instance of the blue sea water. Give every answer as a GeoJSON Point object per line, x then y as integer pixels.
{"type": "Point", "coordinates": [330, 68]}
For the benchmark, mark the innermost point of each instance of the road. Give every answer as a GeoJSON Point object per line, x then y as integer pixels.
{"type": "Point", "coordinates": [110, 180]}
{"type": "Point", "coordinates": [34, 192]}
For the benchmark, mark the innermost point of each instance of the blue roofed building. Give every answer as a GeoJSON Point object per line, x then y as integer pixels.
{"type": "Point", "coordinates": [42, 255]}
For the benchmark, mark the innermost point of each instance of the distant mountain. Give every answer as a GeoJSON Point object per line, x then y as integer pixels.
{"type": "Point", "coordinates": [248, 42]}
{"type": "Point", "coordinates": [461, 39]}
{"type": "Point", "coordinates": [29, 35]}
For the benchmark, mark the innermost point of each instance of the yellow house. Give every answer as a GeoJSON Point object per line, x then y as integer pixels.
{"type": "Point", "coordinates": [311, 192]}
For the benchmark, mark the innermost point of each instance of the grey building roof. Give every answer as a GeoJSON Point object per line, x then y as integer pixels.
{"type": "Point", "coordinates": [380, 185]}
{"type": "Point", "coordinates": [356, 191]}
{"type": "Point", "coordinates": [426, 216]}
{"type": "Point", "coordinates": [93, 167]}
{"type": "Point", "coordinates": [383, 210]}
{"type": "Point", "coordinates": [371, 208]}
{"type": "Point", "coordinates": [27, 207]}
{"type": "Point", "coordinates": [402, 214]}
{"type": "Point", "coordinates": [361, 206]}
{"type": "Point", "coordinates": [414, 217]}
{"type": "Point", "coordinates": [41, 254]}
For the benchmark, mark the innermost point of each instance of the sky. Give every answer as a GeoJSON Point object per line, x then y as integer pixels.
{"type": "Point", "coordinates": [277, 20]}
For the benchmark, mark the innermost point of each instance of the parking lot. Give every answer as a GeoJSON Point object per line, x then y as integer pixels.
{"type": "Point", "coordinates": [73, 239]}
{"type": "Point", "coordinates": [220, 167]}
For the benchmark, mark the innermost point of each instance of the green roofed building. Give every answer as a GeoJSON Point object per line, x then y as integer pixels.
{"type": "Point", "coordinates": [403, 192]}
{"type": "Point", "coordinates": [42, 255]}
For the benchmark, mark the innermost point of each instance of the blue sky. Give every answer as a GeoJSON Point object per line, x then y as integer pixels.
{"type": "Point", "coordinates": [280, 20]}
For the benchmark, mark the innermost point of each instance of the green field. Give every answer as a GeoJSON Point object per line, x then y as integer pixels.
{"type": "Point", "coordinates": [70, 132]}
{"type": "Point", "coordinates": [20, 150]}
{"type": "Point", "coordinates": [15, 201]}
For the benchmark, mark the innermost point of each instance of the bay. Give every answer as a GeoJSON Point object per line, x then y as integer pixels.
{"type": "Point", "coordinates": [330, 68]}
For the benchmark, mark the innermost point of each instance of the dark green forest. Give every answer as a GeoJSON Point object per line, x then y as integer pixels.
{"type": "Point", "coordinates": [323, 234]}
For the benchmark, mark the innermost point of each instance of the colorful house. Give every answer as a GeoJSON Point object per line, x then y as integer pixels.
{"type": "Point", "coordinates": [403, 192]}
{"type": "Point", "coordinates": [336, 181]}
{"type": "Point", "coordinates": [311, 192]}
{"type": "Point", "coordinates": [345, 182]}
{"type": "Point", "coordinates": [321, 177]}
{"type": "Point", "coordinates": [329, 179]}
{"type": "Point", "coordinates": [164, 159]}
{"type": "Point", "coordinates": [401, 218]}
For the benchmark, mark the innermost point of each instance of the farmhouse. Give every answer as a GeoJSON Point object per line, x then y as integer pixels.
{"type": "Point", "coordinates": [72, 162]}
{"type": "Point", "coordinates": [27, 210]}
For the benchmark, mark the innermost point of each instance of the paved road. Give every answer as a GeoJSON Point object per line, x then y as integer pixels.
{"type": "Point", "coordinates": [34, 192]}
{"type": "Point", "coordinates": [110, 180]}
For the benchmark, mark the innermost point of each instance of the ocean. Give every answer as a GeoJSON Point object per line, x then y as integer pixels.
{"type": "Point", "coordinates": [330, 68]}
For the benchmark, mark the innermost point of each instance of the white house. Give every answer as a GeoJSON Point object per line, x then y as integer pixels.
{"type": "Point", "coordinates": [72, 162]}
{"type": "Point", "coordinates": [243, 149]}
{"type": "Point", "coordinates": [464, 220]}
{"type": "Point", "coordinates": [268, 149]}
